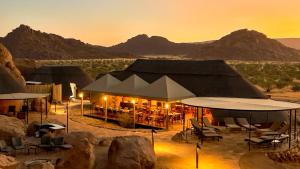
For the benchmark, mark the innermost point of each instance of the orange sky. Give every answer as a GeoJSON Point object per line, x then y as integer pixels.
{"type": "Point", "coordinates": [107, 22]}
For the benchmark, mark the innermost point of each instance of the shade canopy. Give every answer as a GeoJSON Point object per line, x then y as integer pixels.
{"type": "Point", "coordinates": [129, 87]}
{"type": "Point", "coordinates": [103, 84]}
{"type": "Point", "coordinates": [240, 104]}
{"type": "Point", "coordinates": [22, 96]}
{"type": "Point", "coordinates": [165, 89]}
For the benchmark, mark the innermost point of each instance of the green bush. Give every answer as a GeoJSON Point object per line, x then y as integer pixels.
{"type": "Point", "coordinates": [296, 87]}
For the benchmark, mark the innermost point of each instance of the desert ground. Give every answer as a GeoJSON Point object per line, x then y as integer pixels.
{"type": "Point", "coordinates": [229, 153]}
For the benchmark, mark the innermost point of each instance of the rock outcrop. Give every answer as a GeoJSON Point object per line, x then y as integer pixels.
{"type": "Point", "coordinates": [11, 127]}
{"type": "Point", "coordinates": [7, 162]}
{"type": "Point", "coordinates": [7, 61]}
{"type": "Point", "coordinates": [131, 152]}
{"type": "Point", "coordinates": [292, 155]}
{"type": "Point", "coordinates": [83, 150]}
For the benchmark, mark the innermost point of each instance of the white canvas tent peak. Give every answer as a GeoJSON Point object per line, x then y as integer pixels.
{"type": "Point", "coordinates": [102, 84]}
{"type": "Point", "coordinates": [129, 86]}
{"type": "Point", "coordinates": [165, 89]}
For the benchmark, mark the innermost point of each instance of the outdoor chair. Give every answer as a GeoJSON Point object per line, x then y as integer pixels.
{"type": "Point", "coordinates": [282, 130]}
{"type": "Point", "coordinates": [231, 125]}
{"type": "Point", "coordinates": [46, 143]}
{"type": "Point", "coordinates": [244, 123]}
{"type": "Point", "coordinates": [11, 110]}
{"type": "Point", "coordinates": [209, 125]}
{"type": "Point", "coordinates": [202, 133]}
{"type": "Point", "coordinates": [281, 138]}
{"type": "Point", "coordinates": [5, 148]}
{"type": "Point", "coordinates": [259, 142]}
{"type": "Point", "coordinates": [17, 143]}
{"type": "Point", "coordinates": [275, 126]}
{"type": "Point", "coordinates": [58, 142]}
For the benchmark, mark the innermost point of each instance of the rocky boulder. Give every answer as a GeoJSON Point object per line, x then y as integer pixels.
{"type": "Point", "coordinates": [131, 152]}
{"type": "Point", "coordinates": [11, 127]}
{"type": "Point", "coordinates": [7, 162]}
{"type": "Point", "coordinates": [83, 149]}
{"type": "Point", "coordinates": [7, 61]}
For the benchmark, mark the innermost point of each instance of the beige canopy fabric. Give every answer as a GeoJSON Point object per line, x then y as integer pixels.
{"type": "Point", "coordinates": [22, 96]}
{"type": "Point", "coordinates": [165, 89]}
{"type": "Point", "coordinates": [240, 104]}
{"type": "Point", "coordinates": [103, 84]}
{"type": "Point", "coordinates": [129, 86]}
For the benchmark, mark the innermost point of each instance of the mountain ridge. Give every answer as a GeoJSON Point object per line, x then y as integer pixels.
{"type": "Point", "coordinates": [244, 44]}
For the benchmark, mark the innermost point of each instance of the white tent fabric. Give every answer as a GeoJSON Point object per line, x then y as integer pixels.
{"type": "Point", "coordinates": [240, 104]}
{"type": "Point", "coordinates": [165, 89]}
{"type": "Point", "coordinates": [102, 84]}
{"type": "Point", "coordinates": [129, 87]}
{"type": "Point", "coordinates": [22, 96]}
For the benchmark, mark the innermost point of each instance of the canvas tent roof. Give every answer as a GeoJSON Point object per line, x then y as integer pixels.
{"type": "Point", "coordinates": [165, 89]}
{"type": "Point", "coordinates": [129, 87]}
{"type": "Point", "coordinates": [62, 74]}
{"type": "Point", "coordinates": [8, 83]}
{"type": "Point", "coordinates": [22, 96]}
{"type": "Point", "coordinates": [211, 78]}
{"type": "Point", "coordinates": [103, 84]}
{"type": "Point", "coordinates": [240, 104]}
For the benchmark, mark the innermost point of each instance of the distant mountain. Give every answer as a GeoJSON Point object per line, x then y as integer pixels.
{"type": "Point", "coordinates": [246, 45]}
{"type": "Point", "coordinates": [290, 42]}
{"type": "Point", "coordinates": [24, 42]}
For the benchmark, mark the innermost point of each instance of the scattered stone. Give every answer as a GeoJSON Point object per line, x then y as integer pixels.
{"type": "Point", "coordinates": [178, 137]}
{"type": "Point", "coordinates": [292, 155]}
{"type": "Point", "coordinates": [7, 162]}
{"type": "Point", "coordinates": [131, 152]}
{"type": "Point", "coordinates": [11, 127]}
{"type": "Point", "coordinates": [37, 164]}
{"type": "Point", "coordinates": [105, 141]}
{"type": "Point", "coordinates": [83, 150]}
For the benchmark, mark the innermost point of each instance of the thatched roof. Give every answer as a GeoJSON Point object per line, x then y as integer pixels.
{"type": "Point", "coordinates": [211, 78]}
{"type": "Point", "coordinates": [62, 75]}
{"type": "Point", "coordinates": [8, 84]}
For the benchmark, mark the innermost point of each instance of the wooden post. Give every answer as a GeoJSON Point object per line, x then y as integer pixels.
{"type": "Point", "coordinates": [68, 117]}
{"type": "Point", "coordinates": [290, 130]}
{"type": "Point", "coordinates": [250, 121]}
{"type": "Point", "coordinates": [27, 111]}
{"type": "Point", "coordinates": [46, 99]}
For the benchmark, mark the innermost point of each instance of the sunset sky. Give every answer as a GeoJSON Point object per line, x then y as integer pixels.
{"type": "Point", "coordinates": [107, 22]}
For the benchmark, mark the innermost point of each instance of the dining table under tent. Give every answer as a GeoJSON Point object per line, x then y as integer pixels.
{"type": "Point", "coordinates": [136, 91]}
{"type": "Point", "coordinates": [247, 106]}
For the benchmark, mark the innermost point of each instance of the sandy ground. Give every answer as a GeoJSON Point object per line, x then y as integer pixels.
{"type": "Point", "coordinates": [229, 153]}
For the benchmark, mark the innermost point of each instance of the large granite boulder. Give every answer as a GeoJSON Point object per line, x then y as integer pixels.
{"type": "Point", "coordinates": [11, 127]}
{"type": "Point", "coordinates": [7, 162]}
{"type": "Point", "coordinates": [131, 152]}
{"type": "Point", "coordinates": [83, 150]}
{"type": "Point", "coordinates": [7, 61]}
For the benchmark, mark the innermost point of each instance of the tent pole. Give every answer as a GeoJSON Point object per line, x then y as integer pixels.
{"type": "Point", "coordinates": [68, 117]}
{"type": "Point", "coordinates": [183, 117]}
{"type": "Point", "coordinates": [250, 121]}
{"type": "Point", "coordinates": [41, 105]}
{"type": "Point", "coordinates": [295, 125]}
{"type": "Point", "coordinates": [290, 130]}
{"type": "Point", "coordinates": [27, 111]}
{"type": "Point", "coordinates": [46, 99]}
{"type": "Point", "coordinates": [201, 123]}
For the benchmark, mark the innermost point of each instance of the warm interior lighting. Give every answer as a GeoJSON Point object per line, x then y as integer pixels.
{"type": "Point", "coordinates": [167, 106]}
{"type": "Point", "coordinates": [104, 98]}
{"type": "Point", "coordinates": [133, 101]}
{"type": "Point", "coordinates": [81, 95]}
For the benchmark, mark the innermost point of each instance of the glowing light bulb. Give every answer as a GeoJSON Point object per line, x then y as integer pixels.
{"type": "Point", "coordinates": [105, 98]}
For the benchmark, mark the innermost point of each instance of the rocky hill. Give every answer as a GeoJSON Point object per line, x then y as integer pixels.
{"type": "Point", "coordinates": [24, 42]}
{"type": "Point", "coordinates": [290, 42]}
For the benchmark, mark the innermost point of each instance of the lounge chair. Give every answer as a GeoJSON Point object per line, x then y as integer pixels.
{"type": "Point", "coordinates": [275, 126]}
{"type": "Point", "coordinates": [46, 143]}
{"type": "Point", "coordinates": [17, 143]}
{"type": "Point", "coordinates": [259, 142]}
{"type": "Point", "coordinates": [281, 138]}
{"type": "Point", "coordinates": [205, 133]}
{"type": "Point", "coordinates": [282, 130]}
{"type": "Point", "coordinates": [5, 148]}
{"type": "Point", "coordinates": [229, 123]}
{"type": "Point", "coordinates": [207, 124]}
{"type": "Point", "coordinates": [244, 123]}
{"type": "Point", "coordinates": [58, 142]}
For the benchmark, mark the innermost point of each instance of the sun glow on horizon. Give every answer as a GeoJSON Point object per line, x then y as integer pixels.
{"type": "Point", "coordinates": [104, 22]}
